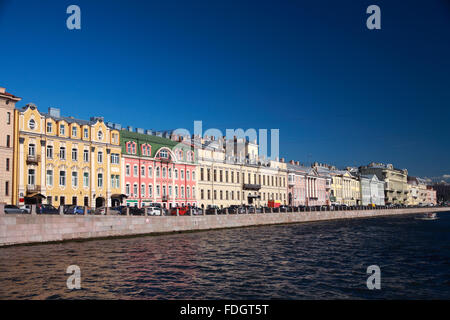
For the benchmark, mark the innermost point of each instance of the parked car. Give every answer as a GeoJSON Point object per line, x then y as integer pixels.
{"type": "Point", "coordinates": [26, 207]}
{"type": "Point", "coordinates": [196, 211]}
{"type": "Point", "coordinates": [153, 211]}
{"type": "Point", "coordinates": [211, 209]}
{"type": "Point", "coordinates": [9, 208]}
{"type": "Point", "coordinates": [135, 211]}
{"type": "Point", "coordinates": [74, 210]}
{"type": "Point", "coordinates": [182, 211]}
{"type": "Point", "coordinates": [46, 209]}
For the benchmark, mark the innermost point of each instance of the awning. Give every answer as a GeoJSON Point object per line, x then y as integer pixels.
{"type": "Point", "coordinates": [35, 195]}
{"type": "Point", "coordinates": [118, 196]}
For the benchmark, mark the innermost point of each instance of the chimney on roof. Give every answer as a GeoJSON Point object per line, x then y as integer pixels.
{"type": "Point", "coordinates": [130, 128]}
{"type": "Point", "coordinates": [282, 160]}
{"type": "Point", "coordinates": [2, 90]}
{"type": "Point", "coordinates": [292, 162]}
{"type": "Point", "coordinates": [297, 163]}
{"type": "Point", "coordinates": [54, 112]}
{"type": "Point", "coordinates": [139, 130]}
{"type": "Point", "coordinates": [149, 132]}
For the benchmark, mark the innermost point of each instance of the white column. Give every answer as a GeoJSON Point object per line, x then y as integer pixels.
{"type": "Point", "coordinates": [108, 178]}
{"type": "Point", "coordinates": [21, 168]}
{"type": "Point", "coordinates": [43, 158]}
{"type": "Point", "coordinates": [91, 162]}
{"type": "Point", "coordinates": [173, 185]}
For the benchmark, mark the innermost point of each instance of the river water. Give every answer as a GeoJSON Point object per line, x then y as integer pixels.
{"type": "Point", "coordinates": [320, 260]}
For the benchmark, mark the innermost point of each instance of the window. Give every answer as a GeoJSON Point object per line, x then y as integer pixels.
{"type": "Point", "coordinates": [164, 191]}
{"type": "Point", "coordinates": [32, 124]}
{"type": "Point", "coordinates": [188, 192]}
{"type": "Point", "coordinates": [182, 192]}
{"type": "Point", "coordinates": [115, 181]}
{"type": "Point", "coordinates": [31, 177]}
{"type": "Point", "coordinates": [170, 173]}
{"type": "Point", "coordinates": [62, 178]}
{"type": "Point", "coordinates": [86, 179]}
{"type": "Point", "coordinates": [7, 164]}
{"type": "Point", "coordinates": [86, 133]}
{"type": "Point", "coordinates": [114, 158]}
{"type": "Point", "coordinates": [201, 174]}
{"type": "Point", "coordinates": [62, 153]}
{"type": "Point", "coordinates": [50, 152]}
{"type": "Point", "coordinates": [100, 135]}
{"type": "Point", "coordinates": [176, 174]}
{"type": "Point", "coordinates": [157, 172]}
{"type": "Point", "coordinates": [74, 154]}
{"type": "Point", "coordinates": [8, 118]}
{"type": "Point", "coordinates": [49, 127]}
{"type": "Point", "coordinates": [150, 172]}
{"type": "Point", "coordinates": [74, 179]}
{"type": "Point", "coordinates": [170, 191]}
{"type": "Point", "coordinates": [115, 138]}
{"type": "Point", "coordinates": [215, 175]}
{"type": "Point", "coordinates": [127, 189]}
{"type": "Point", "coordinates": [163, 154]}
{"type": "Point", "coordinates": [143, 190]}
{"type": "Point", "coordinates": [100, 157]}
{"type": "Point", "coordinates": [74, 131]}
{"type": "Point", "coordinates": [201, 194]}
{"type": "Point", "coordinates": [164, 172]}
{"type": "Point", "coordinates": [62, 129]}
{"type": "Point", "coordinates": [100, 180]}
{"type": "Point", "coordinates": [135, 190]}
{"type": "Point", "coordinates": [86, 155]}
{"type": "Point", "coordinates": [135, 171]}
{"type": "Point", "coordinates": [6, 188]}
{"type": "Point", "coordinates": [8, 140]}
{"type": "Point", "coordinates": [143, 171]}
{"type": "Point", "coordinates": [127, 170]}
{"type": "Point", "coordinates": [176, 191]}
{"type": "Point", "coordinates": [31, 150]}
{"type": "Point", "coordinates": [150, 190]}
{"type": "Point", "coordinates": [182, 174]}
{"type": "Point", "coordinates": [158, 193]}
{"type": "Point", "coordinates": [50, 178]}
{"type": "Point", "coordinates": [187, 175]}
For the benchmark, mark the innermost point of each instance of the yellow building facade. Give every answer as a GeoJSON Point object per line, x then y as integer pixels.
{"type": "Point", "coordinates": [63, 160]}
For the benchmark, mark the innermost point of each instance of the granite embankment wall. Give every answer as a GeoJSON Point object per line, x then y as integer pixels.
{"type": "Point", "coordinates": [25, 228]}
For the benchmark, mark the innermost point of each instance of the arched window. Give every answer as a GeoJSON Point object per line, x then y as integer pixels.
{"type": "Point", "coordinates": [150, 191]}
{"type": "Point", "coordinates": [157, 172]}
{"type": "Point", "coordinates": [150, 172]}
{"type": "Point", "coordinates": [164, 172]}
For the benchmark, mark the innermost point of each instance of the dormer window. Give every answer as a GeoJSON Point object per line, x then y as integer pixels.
{"type": "Point", "coordinates": [164, 154]}
{"type": "Point", "coordinates": [131, 147]}
{"type": "Point", "coordinates": [32, 124]}
{"type": "Point", "coordinates": [62, 129]}
{"type": "Point", "coordinates": [74, 131]}
{"type": "Point", "coordinates": [49, 127]}
{"type": "Point", "coordinates": [100, 135]}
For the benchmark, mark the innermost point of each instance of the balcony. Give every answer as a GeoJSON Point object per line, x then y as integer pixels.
{"type": "Point", "coordinates": [249, 186]}
{"type": "Point", "coordinates": [33, 159]}
{"type": "Point", "coordinates": [33, 188]}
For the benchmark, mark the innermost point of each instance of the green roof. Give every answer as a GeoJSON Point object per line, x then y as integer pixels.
{"type": "Point", "coordinates": [155, 141]}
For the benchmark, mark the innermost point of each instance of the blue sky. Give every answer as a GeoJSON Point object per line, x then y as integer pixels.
{"type": "Point", "coordinates": [338, 92]}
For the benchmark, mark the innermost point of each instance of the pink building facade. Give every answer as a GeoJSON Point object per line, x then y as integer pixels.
{"type": "Point", "coordinates": [305, 186]}
{"type": "Point", "coordinates": [431, 195]}
{"type": "Point", "coordinates": [157, 170]}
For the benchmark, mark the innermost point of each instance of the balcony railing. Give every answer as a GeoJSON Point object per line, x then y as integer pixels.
{"type": "Point", "coordinates": [33, 188]}
{"type": "Point", "coordinates": [249, 186]}
{"type": "Point", "coordinates": [33, 158]}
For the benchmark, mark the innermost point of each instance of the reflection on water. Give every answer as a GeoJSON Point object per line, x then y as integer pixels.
{"type": "Point", "coordinates": [324, 260]}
